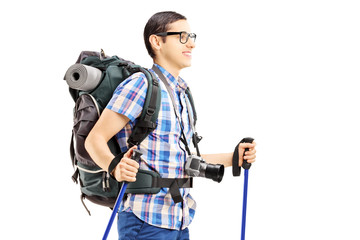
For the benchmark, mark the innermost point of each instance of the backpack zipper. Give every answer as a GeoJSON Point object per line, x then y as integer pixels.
{"type": "Point", "coordinates": [90, 171]}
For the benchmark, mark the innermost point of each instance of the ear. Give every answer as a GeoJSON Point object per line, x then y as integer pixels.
{"type": "Point", "coordinates": [155, 42]}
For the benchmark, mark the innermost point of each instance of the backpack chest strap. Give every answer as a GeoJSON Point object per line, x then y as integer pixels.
{"type": "Point", "coordinates": [174, 185]}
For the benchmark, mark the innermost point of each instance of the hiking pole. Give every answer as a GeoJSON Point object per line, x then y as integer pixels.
{"type": "Point", "coordinates": [135, 156]}
{"type": "Point", "coordinates": [246, 166]}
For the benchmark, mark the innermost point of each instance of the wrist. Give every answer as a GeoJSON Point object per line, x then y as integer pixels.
{"type": "Point", "coordinates": [114, 162]}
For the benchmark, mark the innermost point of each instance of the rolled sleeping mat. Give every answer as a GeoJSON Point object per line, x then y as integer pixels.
{"type": "Point", "coordinates": [82, 77]}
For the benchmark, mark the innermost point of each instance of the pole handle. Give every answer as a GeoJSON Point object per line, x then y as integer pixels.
{"type": "Point", "coordinates": [245, 164]}
{"type": "Point", "coordinates": [135, 156]}
{"type": "Point", "coordinates": [235, 161]}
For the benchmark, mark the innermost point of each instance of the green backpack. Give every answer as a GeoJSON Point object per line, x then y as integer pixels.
{"type": "Point", "coordinates": [96, 184]}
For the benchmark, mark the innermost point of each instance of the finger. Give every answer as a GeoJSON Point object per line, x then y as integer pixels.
{"type": "Point", "coordinates": [251, 161]}
{"type": "Point", "coordinates": [250, 152]}
{"type": "Point", "coordinates": [128, 173]}
{"type": "Point", "coordinates": [129, 163]}
{"type": "Point", "coordinates": [243, 147]}
{"type": "Point", "coordinates": [240, 162]}
{"type": "Point", "coordinates": [250, 157]}
{"type": "Point", "coordinates": [128, 177]}
{"type": "Point", "coordinates": [132, 168]}
{"type": "Point", "coordinates": [125, 173]}
{"type": "Point", "coordinates": [247, 145]}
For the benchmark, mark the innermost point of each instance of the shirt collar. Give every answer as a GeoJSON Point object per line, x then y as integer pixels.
{"type": "Point", "coordinates": [174, 83]}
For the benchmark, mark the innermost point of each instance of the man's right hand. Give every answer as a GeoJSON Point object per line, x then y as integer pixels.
{"type": "Point", "coordinates": [127, 168]}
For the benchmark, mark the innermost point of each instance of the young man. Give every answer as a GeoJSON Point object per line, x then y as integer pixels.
{"type": "Point", "coordinates": [169, 42]}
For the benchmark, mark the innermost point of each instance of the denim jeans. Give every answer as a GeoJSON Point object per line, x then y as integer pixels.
{"type": "Point", "coordinates": [132, 228]}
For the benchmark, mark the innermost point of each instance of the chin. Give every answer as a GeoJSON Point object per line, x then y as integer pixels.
{"type": "Point", "coordinates": [185, 65]}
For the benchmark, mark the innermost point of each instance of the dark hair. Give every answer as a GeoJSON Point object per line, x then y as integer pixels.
{"type": "Point", "coordinates": [159, 22]}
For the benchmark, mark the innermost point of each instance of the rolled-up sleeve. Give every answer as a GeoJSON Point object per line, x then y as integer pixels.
{"type": "Point", "coordinates": [129, 97]}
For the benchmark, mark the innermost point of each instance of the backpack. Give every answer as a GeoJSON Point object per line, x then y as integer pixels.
{"type": "Point", "coordinates": [96, 185]}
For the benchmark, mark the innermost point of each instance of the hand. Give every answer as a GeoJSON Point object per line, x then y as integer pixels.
{"type": "Point", "coordinates": [127, 168]}
{"type": "Point", "coordinates": [250, 156]}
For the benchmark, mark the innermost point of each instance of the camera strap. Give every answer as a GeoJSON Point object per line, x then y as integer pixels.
{"type": "Point", "coordinates": [196, 138]}
{"type": "Point", "coordinates": [177, 114]}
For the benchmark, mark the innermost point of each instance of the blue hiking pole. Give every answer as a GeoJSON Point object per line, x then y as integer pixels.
{"type": "Point", "coordinates": [246, 177]}
{"type": "Point", "coordinates": [236, 172]}
{"type": "Point", "coordinates": [136, 156]}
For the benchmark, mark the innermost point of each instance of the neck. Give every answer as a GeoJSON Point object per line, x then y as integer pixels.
{"type": "Point", "coordinates": [173, 70]}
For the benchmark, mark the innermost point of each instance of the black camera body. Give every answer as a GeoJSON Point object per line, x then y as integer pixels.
{"type": "Point", "coordinates": [195, 166]}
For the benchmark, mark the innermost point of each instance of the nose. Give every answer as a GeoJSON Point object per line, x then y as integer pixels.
{"type": "Point", "coordinates": [191, 43]}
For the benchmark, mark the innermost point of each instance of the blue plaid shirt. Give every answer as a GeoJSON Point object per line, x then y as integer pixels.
{"type": "Point", "coordinates": [162, 149]}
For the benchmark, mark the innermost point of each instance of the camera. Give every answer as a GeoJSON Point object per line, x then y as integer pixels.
{"type": "Point", "coordinates": [196, 167]}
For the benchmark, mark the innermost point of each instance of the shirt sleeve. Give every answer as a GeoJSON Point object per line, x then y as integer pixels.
{"type": "Point", "coordinates": [129, 97]}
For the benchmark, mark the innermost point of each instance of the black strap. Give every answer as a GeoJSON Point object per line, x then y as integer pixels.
{"type": "Point", "coordinates": [82, 197]}
{"type": "Point", "coordinates": [146, 124]}
{"type": "Point", "coordinates": [195, 137]}
{"type": "Point", "coordinates": [75, 176]}
{"type": "Point", "coordinates": [188, 93]}
{"type": "Point", "coordinates": [154, 95]}
{"type": "Point", "coordinates": [115, 162]}
{"type": "Point", "coordinates": [174, 185]}
{"type": "Point", "coordinates": [175, 192]}
{"type": "Point", "coordinates": [235, 161]}
{"type": "Point", "coordinates": [147, 121]}
{"type": "Point", "coordinates": [166, 182]}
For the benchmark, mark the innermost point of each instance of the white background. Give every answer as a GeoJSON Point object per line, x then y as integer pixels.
{"type": "Point", "coordinates": [283, 72]}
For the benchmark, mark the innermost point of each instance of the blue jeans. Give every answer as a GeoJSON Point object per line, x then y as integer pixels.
{"type": "Point", "coordinates": [132, 228]}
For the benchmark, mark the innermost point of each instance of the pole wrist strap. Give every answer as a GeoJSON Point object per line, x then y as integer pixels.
{"type": "Point", "coordinates": [115, 162]}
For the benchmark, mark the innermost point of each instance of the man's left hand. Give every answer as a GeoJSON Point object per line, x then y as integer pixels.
{"type": "Point", "coordinates": [250, 156]}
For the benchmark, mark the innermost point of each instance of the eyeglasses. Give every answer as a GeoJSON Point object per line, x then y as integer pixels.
{"type": "Point", "coordinates": [184, 36]}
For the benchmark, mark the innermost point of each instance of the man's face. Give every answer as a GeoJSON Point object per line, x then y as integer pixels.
{"type": "Point", "coordinates": [173, 51]}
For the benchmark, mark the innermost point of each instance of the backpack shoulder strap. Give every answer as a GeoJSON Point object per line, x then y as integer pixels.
{"type": "Point", "coordinates": [188, 93]}
{"type": "Point", "coordinates": [150, 112]}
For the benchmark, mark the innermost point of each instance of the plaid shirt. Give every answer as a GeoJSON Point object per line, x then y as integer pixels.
{"type": "Point", "coordinates": [162, 149]}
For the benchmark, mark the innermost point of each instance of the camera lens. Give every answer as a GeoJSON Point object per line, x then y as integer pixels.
{"type": "Point", "coordinates": [214, 172]}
